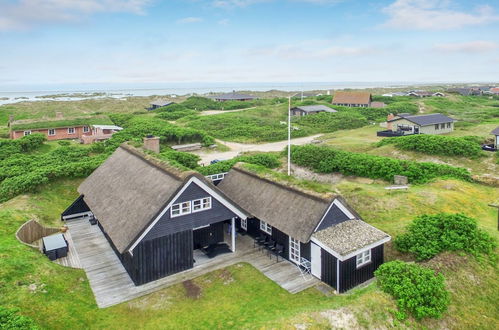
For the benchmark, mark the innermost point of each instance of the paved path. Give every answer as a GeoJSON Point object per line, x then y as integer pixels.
{"type": "Point", "coordinates": [236, 148]}
{"type": "Point", "coordinates": [111, 284]}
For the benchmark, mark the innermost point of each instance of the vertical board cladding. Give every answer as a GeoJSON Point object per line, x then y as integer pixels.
{"type": "Point", "coordinates": [78, 206]}
{"type": "Point", "coordinates": [281, 238]}
{"type": "Point", "coordinates": [208, 235]}
{"type": "Point", "coordinates": [328, 268]}
{"type": "Point", "coordinates": [168, 225]}
{"type": "Point", "coordinates": [254, 227]}
{"type": "Point", "coordinates": [351, 276]}
{"type": "Point", "coordinates": [162, 256]}
{"type": "Point", "coordinates": [333, 217]}
{"type": "Point", "coordinates": [305, 250]}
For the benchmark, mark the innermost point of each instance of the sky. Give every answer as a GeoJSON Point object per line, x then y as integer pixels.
{"type": "Point", "coordinates": [151, 41]}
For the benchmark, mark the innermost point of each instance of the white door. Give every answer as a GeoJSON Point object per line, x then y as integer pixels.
{"type": "Point", "coordinates": [244, 224]}
{"type": "Point", "coordinates": [294, 250]}
{"type": "Point", "coordinates": [316, 256]}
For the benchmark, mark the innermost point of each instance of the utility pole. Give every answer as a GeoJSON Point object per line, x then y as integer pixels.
{"type": "Point", "coordinates": [289, 135]}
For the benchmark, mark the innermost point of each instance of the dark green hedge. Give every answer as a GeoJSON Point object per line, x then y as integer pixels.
{"type": "Point", "coordinates": [10, 319]}
{"type": "Point", "coordinates": [327, 122]}
{"type": "Point", "coordinates": [437, 144]}
{"type": "Point", "coordinates": [266, 160]}
{"type": "Point", "coordinates": [327, 160]}
{"type": "Point", "coordinates": [428, 235]}
{"type": "Point", "coordinates": [24, 144]}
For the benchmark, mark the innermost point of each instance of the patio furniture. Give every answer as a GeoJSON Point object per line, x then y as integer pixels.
{"type": "Point", "coordinates": [278, 250]}
{"type": "Point", "coordinates": [55, 246]}
{"type": "Point", "coordinates": [93, 220]}
{"type": "Point", "coordinates": [269, 245]}
{"type": "Point", "coordinates": [214, 250]}
{"type": "Point", "coordinates": [261, 243]}
{"type": "Point", "coordinates": [305, 268]}
{"type": "Point", "coordinates": [258, 240]}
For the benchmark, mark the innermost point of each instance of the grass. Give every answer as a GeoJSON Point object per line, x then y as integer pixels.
{"type": "Point", "coordinates": [97, 120]}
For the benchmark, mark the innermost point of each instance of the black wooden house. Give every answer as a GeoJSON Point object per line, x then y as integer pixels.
{"type": "Point", "coordinates": [155, 216]}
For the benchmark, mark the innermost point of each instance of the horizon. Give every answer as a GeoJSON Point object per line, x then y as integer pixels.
{"type": "Point", "coordinates": [243, 41]}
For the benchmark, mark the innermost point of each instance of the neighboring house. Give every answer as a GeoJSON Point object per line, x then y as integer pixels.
{"type": "Point", "coordinates": [494, 91]}
{"type": "Point", "coordinates": [155, 217]}
{"type": "Point", "coordinates": [58, 128]}
{"type": "Point", "coordinates": [310, 109]}
{"type": "Point", "coordinates": [159, 104]}
{"type": "Point", "coordinates": [424, 94]}
{"type": "Point", "coordinates": [352, 99]}
{"type": "Point", "coordinates": [496, 137]}
{"type": "Point", "coordinates": [304, 95]}
{"type": "Point", "coordinates": [395, 94]}
{"type": "Point", "coordinates": [233, 97]}
{"type": "Point", "coordinates": [100, 133]}
{"type": "Point", "coordinates": [466, 91]}
{"type": "Point", "coordinates": [434, 123]}
{"type": "Point", "coordinates": [376, 104]}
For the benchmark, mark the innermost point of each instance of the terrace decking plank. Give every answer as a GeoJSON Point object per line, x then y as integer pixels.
{"type": "Point", "coordinates": [111, 284]}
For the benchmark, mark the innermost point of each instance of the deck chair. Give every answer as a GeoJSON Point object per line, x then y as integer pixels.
{"type": "Point", "coordinates": [305, 269]}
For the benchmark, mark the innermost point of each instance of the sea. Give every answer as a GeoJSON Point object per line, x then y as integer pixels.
{"type": "Point", "coordinates": [73, 92]}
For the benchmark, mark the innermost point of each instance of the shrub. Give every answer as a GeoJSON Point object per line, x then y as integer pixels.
{"type": "Point", "coordinates": [327, 160]}
{"type": "Point", "coordinates": [64, 143]}
{"type": "Point", "coordinates": [327, 122]}
{"type": "Point", "coordinates": [266, 160]}
{"type": "Point", "coordinates": [201, 103]}
{"type": "Point", "coordinates": [437, 144]}
{"type": "Point", "coordinates": [428, 235]}
{"type": "Point", "coordinates": [185, 159]}
{"type": "Point", "coordinates": [416, 289]}
{"type": "Point", "coordinates": [11, 320]}
{"type": "Point", "coordinates": [25, 144]}
{"type": "Point", "coordinates": [174, 112]}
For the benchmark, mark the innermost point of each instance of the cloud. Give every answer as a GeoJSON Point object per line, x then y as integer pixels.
{"type": "Point", "coordinates": [188, 20]}
{"type": "Point", "coordinates": [479, 46]}
{"type": "Point", "coordinates": [435, 15]}
{"type": "Point", "coordinates": [224, 21]}
{"type": "Point", "coordinates": [245, 3]}
{"type": "Point", "coordinates": [23, 14]}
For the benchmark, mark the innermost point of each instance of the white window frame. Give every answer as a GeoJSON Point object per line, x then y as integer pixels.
{"type": "Point", "coordinates": [202, 203]}
{"type": "Point", "coordinates": [294, 250]}
{"type": "Point", "coordinates": [180, 209]}
{"type": "Point", "coordinates": [265, 227]}
{"type": "Point", "coordinates": [86, 129]}
{"type": "Point", "coordinates": [26, 133]}
{"type": "Point", "coordinates": [363, 258]}
{"type": "Point", "coordinates": [49, 130]}
{"type": "Point", "coordinates": [244, 224]}
{"type": "Point", "coordinates": [71, 130]}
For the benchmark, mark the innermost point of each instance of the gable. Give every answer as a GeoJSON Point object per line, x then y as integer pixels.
{"type": "Point", "coordinates": [337, 213]}
{"type": "Point", "coordinates": [164, 224]}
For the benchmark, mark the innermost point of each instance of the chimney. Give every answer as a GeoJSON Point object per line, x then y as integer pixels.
{"type": "Point", "coordinates": [151, 143]}
{"type": "Point", "coordinates": [388, 123]}
{"type": "Point", "coordinates": [59, 115]}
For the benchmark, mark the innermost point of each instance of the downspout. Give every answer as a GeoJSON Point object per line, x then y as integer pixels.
{"type": "Point", "coordinates": [338, 275]}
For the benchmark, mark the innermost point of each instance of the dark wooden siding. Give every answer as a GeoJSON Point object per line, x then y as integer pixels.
{"type": "Point", "coordinates": [208, 235]}
{"type": "Point", "coordinates": [350, 276]}
{"type": "Point", "coordinates": [167, 225]}
{"type": "Point", "coordinates": [305, 250]}
{"type": "Point", "coordinates": [333, 217]}
{"type": "Point", "coordinates": [78, 206]}
{"type": "Point", "coordinates": [281, 238]}
{"type": "Point", "coordinates": [254, 227]}
{"type": "Point", "coordinates": [160, 257]}
{"type": "Point", "coordinates": [328, 268]}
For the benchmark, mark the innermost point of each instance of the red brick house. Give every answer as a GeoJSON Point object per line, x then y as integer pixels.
{"type": "Point", "coordinates": [84, 129]}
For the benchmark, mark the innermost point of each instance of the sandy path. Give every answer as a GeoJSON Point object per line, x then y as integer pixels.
{"type": "Point", "coordinates": [237, 148]}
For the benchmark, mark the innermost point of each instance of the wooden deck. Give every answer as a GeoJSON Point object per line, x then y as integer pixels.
{"type": "Point", "coordinates": [111, 284]}
{"type": "Point", "coordinates": [72, 260]}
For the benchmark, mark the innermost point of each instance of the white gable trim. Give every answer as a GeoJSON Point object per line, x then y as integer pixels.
{"type": "Point", "coordinates": [342, 209]}
{"type": "Point", "coordinates": [351, 254]}
{"type": "Point", "coordinates": [201, 185]}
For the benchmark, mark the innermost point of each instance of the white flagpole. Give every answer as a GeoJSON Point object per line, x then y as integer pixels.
{"type": "Point", "coordinates": [289, 135]}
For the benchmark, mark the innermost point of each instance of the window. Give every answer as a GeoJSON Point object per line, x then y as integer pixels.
{"type": "Point", "coordinates": [442, 126]}
{"type": "Point", "coordinates": [244, 224]}
{"type": "Point", "coordinates": [265, 227]}
{"type": "Point", "coordinates": [180, 209]}
{"type": "Point", "coordinates": [294, 250]}
{"type": "Point", "coordinates": [363, 258]}
{"type": "Point", "coordinates": [26, 133]}
{"type": "Point", "coordinates": [201, 204]}
{"type": "Point", "coordinates": [51, 132]}
{"type": "Point", "coordinates": [86, 129]}
{"type": "Point", "coordinates": [71, 130]}
{"type": "Point", "coordinates": [448, 125]}
{"type": "Point", "coordinates": [436, 126]}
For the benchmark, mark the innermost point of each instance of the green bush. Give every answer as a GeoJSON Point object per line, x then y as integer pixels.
{"type": "Point", "coordinates": [185, 159]}
{"type": "Point", "coordinates": [201, 103]}
{"type": "Point", "coordinates": [174, 112]}
{"type": "Point", "coordinates": [25, 144]}
{"type": "Point", "coordinates": [428, 235]}
{"type": "Point", "coordinates": [266, 160]}
{"type": "Point", "coordinates": [11, 320]}
{"type": "Point", "coordinates": [437, 144]}
{"type": "Point", "coordinates": [63, 143]}
{"type": "Point", "coordinates": [327, 122]}
{"type": "Point", "coordinates": [327, 160]}
{"type": "Point", "coordinates": [416, 289]}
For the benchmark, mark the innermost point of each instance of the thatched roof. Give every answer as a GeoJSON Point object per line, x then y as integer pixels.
{"type": "Point", "coordinates": [128, 191]}
{"type": "Point", "coordinates": [292, 211]}
{"type": "Point", "coordinates": [349, 236]}
{"type": "Point", "coordinates": [343, 97]}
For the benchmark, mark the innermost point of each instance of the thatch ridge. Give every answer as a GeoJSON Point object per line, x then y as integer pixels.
{"type": "Point", "coordinates": [287, 185]}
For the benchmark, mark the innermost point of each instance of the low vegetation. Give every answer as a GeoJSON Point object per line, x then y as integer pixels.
{"type": "Point", "coordinates": [24, 144]}
{"type": "Point", "coordinates": [96, 120]}
{"type": "Point", "coordinates": [266, 160]}
{"type": "Point", "coordinates": [416, 289]}
{"type": "Point", "coordinates": [328, 160]}
{"type": "Point", "coordinates": [468, 146]}
{"type": "Point", "coordinates": [429, 235]}
{"type": "Point", "coordinates": [11, 320]}
{"type": "Point", "coordinates": [327, 122]}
